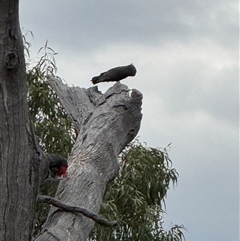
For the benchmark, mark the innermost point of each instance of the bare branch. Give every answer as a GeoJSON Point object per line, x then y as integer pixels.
{"type": "Point", "coordinates": [83, 211]}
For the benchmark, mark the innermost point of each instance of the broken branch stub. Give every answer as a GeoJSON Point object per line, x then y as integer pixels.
{"type": "Point", "coordinates": [105, 124]}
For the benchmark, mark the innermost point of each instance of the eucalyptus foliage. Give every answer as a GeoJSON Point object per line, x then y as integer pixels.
{"type": "Point", "coordinates": [52, 126]}
{"type": "Point", "coordinates": [136, 198]}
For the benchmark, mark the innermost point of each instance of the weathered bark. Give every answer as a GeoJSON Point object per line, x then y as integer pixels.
{"type": "Point", "coordinates": [106, 123]}
{"type": "Point", "coordinates": [18, 155]}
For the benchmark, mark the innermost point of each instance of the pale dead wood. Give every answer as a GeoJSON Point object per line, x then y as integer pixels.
{"type": "Point", "coordinates": [105, 123]}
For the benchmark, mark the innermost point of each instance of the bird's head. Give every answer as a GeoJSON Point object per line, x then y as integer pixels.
{"type": "Point", "coordinates": [62, 171]}
{"type": "Point", "coordinates": [58, 166]}
{"type": "Point", "coordinates": [132, 69]}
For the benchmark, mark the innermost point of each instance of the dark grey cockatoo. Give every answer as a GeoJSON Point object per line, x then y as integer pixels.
{"type": "Point", "coordinates": [115, 74]}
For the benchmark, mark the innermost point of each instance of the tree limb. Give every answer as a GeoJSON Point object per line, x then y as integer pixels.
{"type": "Point", "coordinates": [83, 211]}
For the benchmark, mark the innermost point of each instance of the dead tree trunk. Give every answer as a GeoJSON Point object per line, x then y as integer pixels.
{"type": "Point", "coordinates": [18, 162]}
{"type": "Point", "coordinates": [105, 124]}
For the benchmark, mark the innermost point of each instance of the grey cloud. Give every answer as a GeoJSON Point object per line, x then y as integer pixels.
{"type": "Point", "coordinates": [94, 24]}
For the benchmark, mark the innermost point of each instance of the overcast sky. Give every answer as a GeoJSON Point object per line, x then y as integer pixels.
{"type": "Point", "coordinates": [186, 55]}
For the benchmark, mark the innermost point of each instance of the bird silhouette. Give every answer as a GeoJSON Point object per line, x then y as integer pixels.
{"type": "Point", "coordinates": [115, 74]}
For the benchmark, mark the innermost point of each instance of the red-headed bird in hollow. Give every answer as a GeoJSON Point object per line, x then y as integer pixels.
{"type": "Point", "coordinates": [58, 166]}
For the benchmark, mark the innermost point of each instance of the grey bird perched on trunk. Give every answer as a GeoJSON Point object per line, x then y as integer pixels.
{"type": "Point", "coordinates": [115, 74]}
